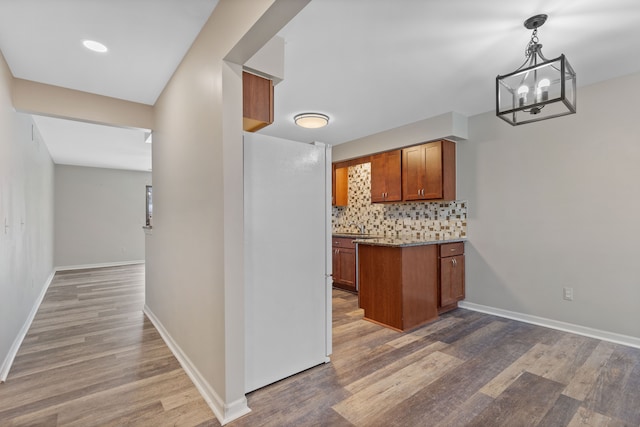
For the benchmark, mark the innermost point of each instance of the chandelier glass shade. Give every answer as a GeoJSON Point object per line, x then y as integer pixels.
{"type": "Point", "coordinates": [540, 89]}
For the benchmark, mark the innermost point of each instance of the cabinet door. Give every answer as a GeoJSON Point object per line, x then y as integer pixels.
{"type": "Point", "coordinates": [336, 265]}
{"type": "Point", "coordinates": [451, 280]}
{"type": "Point", "coordinates": [257, 100]}
{"type": "Point", "coordinates": [378, 177]}
{"type": "Point", "coordinates": [333, 185]}
{"type": "Point", "coordinates": [432, 181]}
{"type": "Point", "coordinates": [347, 261]}
{"type": "Point", "coordinates": [393, 176]}
{"type": "Point", "coordinates": [344, 268]}
{"type": "Point", "coordinates": [413, 168]}
{"type": "Point", "coordinates": [342, 187]}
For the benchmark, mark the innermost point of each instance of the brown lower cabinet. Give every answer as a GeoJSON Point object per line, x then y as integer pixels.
{"type": "Point", "coordinates": [405, 287]}
{"type": "Point", "coordinates": [399, 285]}
{"type": "Point", "coordinates": [451, 289]}
{"type": "Point", "coordinates": [344, 263]}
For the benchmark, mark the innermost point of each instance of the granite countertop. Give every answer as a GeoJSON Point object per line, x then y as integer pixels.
{"type": "Point", "coordinates": [357, 235]}
{"type": "Point", "coordinates": [406, 241]}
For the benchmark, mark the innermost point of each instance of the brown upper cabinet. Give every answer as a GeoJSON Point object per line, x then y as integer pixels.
{"type": "Point", "coordinates": [257, 100]}
{"type": "Point", "coordinates": [386, 177]}
{"type": "Point", "coordinates": [429, 171]}
{"type": "Point", "coordinates": [340, 188]}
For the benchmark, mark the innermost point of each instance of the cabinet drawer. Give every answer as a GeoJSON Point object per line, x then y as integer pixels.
{"type": "Point", "coordinates": [451, 249]}
{"type": "Point", "coordinates": [343, 242]}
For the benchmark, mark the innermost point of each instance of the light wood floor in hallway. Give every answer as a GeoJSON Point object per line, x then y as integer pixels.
{"type": "Point", "coordinates": [92, 359]}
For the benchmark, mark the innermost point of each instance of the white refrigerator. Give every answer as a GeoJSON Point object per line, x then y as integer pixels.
{"type": "Point", "coordinates": [287, 223]}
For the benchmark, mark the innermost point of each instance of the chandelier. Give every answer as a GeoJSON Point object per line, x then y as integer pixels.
{"type": "Point", "coordinates": [540, 88]}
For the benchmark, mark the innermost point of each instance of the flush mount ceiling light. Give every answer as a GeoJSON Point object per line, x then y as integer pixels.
{"type": "Point", "coordinates": [311, 120]}
{"type": "Point", "coordinates": [94, 46]}
{"type": "Point", "coordinates": [540, 89]}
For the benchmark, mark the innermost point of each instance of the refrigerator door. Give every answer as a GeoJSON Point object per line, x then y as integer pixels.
{"type": "Point", "coordinates": [286, 236]}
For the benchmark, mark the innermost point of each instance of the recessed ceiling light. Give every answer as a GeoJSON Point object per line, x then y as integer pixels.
{"type": "Point", "coordinates": [95, 46]}
{"type": "Point", "coordinates": [311, 120]}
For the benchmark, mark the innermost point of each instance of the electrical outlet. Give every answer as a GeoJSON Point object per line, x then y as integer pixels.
{"type": "Point", "coordinates": [567, 293]}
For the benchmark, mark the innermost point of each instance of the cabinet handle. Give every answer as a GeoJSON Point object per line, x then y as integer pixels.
{"type": "Point", "coordinates": [454, 262]}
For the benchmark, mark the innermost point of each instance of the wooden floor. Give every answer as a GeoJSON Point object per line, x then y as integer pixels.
{"type": "Point", "coordinates": [92, 359]}
{"type": "Point", "coordinates": [466, 369]}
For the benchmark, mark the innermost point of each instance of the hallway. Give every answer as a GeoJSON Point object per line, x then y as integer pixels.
{"type": "Point", "coordinates": [91, 358]}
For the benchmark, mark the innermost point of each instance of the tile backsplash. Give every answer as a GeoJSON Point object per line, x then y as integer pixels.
{"type": "Point", "coordinates": [425, 220]}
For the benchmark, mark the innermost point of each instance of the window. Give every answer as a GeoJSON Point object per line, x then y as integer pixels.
{"type": "Point", "coordinates": [149, 221]}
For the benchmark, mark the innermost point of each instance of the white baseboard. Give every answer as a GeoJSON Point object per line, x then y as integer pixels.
{"type": "Point", "coordinates": [225, 413]}
{"type": "Point", "coordinates": [13, 351]}
{"type": "Point", "coordinates": [99, 265]}
{"type": "Point", "coordinates": [554, 324]}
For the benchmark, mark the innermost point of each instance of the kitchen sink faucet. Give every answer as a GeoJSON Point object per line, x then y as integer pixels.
{"type": "Point", "coordinates": [360, 227]}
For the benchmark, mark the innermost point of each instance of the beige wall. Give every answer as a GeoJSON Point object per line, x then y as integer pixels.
{"type": "Point", "coordinates": [195, 254]}
{"type": "Point", "coordinates": [26, 208]}
{"type": "Point", "coordinates": [451, 126]}
{"type": "Point", "coordinates": [99, 215]}
{"type": "Point", "coordinates": [555, 204]}
{"type": "Point", "coordinates": [47, 100]}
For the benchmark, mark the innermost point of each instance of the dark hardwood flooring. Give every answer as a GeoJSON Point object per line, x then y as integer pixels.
{"type": "Point", "coordinates": [465, 369]}
{"type": "Point", "coordinates": [91, 358]}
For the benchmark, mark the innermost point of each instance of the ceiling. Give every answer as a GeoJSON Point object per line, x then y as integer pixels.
{"type": "Point", "coordinates": [370, 65]}
{"type": "Point", "coordinates": [87, 144]}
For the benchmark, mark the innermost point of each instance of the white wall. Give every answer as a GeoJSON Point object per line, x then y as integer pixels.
{"type": "Point", "coordinates": [26, 207]}
{"type": "Point", "coordinates": [555, 204]}
{"type": "Point", "coordinates": [99, 215]}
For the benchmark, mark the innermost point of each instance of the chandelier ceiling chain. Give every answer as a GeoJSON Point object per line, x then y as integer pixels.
{"type": "Point", "coordinates": [532, 43]}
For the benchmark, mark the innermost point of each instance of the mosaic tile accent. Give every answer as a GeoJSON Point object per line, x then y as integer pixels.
{"type": "Point", "coordinates": [423, 220]}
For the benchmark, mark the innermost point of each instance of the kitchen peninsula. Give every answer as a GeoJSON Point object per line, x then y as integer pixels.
{"type": "Point", "coordinates": [415, 270]}
{"type": "Point", "coordinates": [405, 283]}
